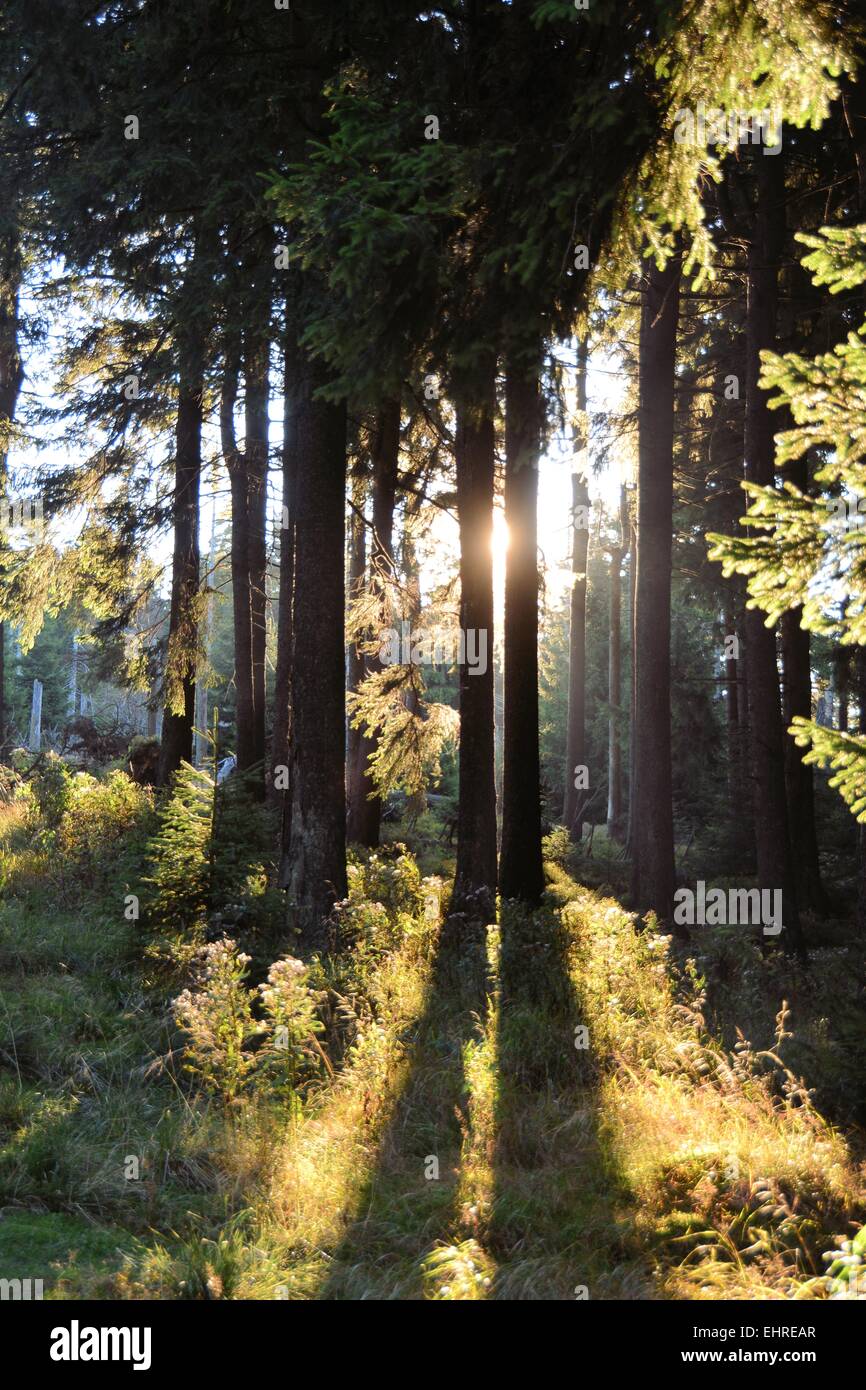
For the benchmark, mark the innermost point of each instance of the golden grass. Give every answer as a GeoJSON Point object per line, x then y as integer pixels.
{"type": "Point", "coordinates": [654, 1165]}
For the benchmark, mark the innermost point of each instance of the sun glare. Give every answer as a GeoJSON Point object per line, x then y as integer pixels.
{"type": "Point", "coordinates": [500, 539]}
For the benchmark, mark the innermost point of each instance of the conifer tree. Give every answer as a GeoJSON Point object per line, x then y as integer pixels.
{"type": "Point", "coordinates": [521, 873]}
{"type": "Point", "coordinates": [805, 550]}
{"type": "Point", "coordinates": [575, 756]}
{"type": "Point", "coordinates": [653, 847]}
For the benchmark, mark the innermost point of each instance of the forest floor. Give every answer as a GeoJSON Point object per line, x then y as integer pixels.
{"type": "Point", "coordinates": [567, 1113]}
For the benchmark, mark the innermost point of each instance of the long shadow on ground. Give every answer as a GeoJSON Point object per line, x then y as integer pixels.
{"type": "Point", "coordinates": [560, 1222]}
{"type": "Point", "coordinates": [411, 1199]}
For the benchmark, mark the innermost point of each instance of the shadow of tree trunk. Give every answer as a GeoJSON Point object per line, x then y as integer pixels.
{"type": "Point", "coordinates": [410, 1199]}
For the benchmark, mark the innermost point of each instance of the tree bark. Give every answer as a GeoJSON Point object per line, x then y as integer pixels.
{"type": "Point", "coordinates": [521, 873]}
{"type": "Point", "coordinates": [860, 680]}
{"type": "Point", "coordinates": [632, 708]}
{"type": "Point", "coordinates": [772, 842]}
{"type": "Point", "coordinates": [475, 878]}
{"type": "Point", "coordinates": [177, 725]}
{"type": "Point", "coordinates": [248, 472]}
{"type": "Point", "coordinates": [841, 658]}
{"type": "Point", "coordinates": [357, 745]}
{"type": "Point", "coordinates": [575, 748]}
{"type": "Point", "coordinates": [365, 811]}
{"type": "Point", "coordinates": [256, 374]}
{"type": "Point", "coordinates": [11, 378]}
{"type": "Point", "coordinates": [614, 676]}
{"type": "Point", "coordinates": [799, 776]}
{"type": "Point", "coordinates": [732, 681]}
{"type": "Point", "coordinates": [653, 873]}
{"type": "Point", "coordinates": [739, 822]}
{"type": "Point", "coordinates": [314, 871]}
{"type": "Point", "coordinates": [280, 738]}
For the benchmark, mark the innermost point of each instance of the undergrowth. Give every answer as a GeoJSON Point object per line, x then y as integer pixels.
{"type": "Point", "coordinates": [577, 1109]}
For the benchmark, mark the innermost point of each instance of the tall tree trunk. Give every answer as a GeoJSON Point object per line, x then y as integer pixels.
{"type": "Point", "coordinates": [841, 658]}
{"type": "Point", "coordinates": [575, 743]}
{"type": "Point", "coordinates": [280, 738]}
{"type": "Point", "coordinates": [860, 680]}
{"type": "Point", "coordinates": [365, 811]}
{"type": "Point", "coordinates": [731, 695]}
{"type": "Point", "coordinates": [631, 832]}
{"type": "Point", "coordinates": [799, 776]}
{"type": "Point", "coordinates": [732, 681]}
{"type": "Point", "coordinates": [179, 712]}
{"type": "Point", "coordinates": [521, 873]}
{"type": "Point", "coordinates": [411, 569]}
{"type": "Point", "coordinates": [614, 676]}
{"type": "Point", "coordinates": [200, 736]}
{"type": "Point", "coordinates": [11, 377]}
{"type": "Point", "coordinates": [653, 873]}
{"type": "Point", "coordinates": [475, 879]}
{"type": "Point", "coordinates": [248, 472]}
{"type": "Point", "coordinates": [314, 871]}
{"type": "Point", "coordinates": [772, 842]}
{"type": "Point", "coordinates": [357, 744]}
{"type": "Point", "coordinates": [854, 107]}
{"type": "Point", "coordinates": [256, 376]}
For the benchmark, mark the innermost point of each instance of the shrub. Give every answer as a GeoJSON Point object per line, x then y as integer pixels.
{"type": "Point", "coordinates": [178, 862]}
{"type": "Point", "coordinates": [389, 876]}
{"type": "Point", "coordinates": [558, 848]}
{"type": "Point", "coordinates": [219, 1016]}
{"type": "Point", "coordinates": [211, 850]}
{"type": "Point", "coordinates": [92, 829]}
{"type": "Point", "coordinates": [51, 790]}
{"type": "Point", "coordinates": [291, 1051]}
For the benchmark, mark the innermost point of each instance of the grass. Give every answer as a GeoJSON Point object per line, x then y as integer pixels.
{"type": "Point", "coordinates": [73, 1257]}
{"type": "Point", "coordinates": [563, 1111]}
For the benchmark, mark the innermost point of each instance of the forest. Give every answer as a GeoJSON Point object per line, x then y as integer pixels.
{"type": "Point", "coordinates": [433, 651]}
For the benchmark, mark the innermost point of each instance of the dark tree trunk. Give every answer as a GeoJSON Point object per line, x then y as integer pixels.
{"type": "Point", "coordinates": [475, 879]}
{"type": "Point", "coordinates": [411, 586]}
{"type": "Point", "coordinates": [575, 744]}
{"type": "Point", "coordinates": [767, 755]}
{"type": "Point", "coordinates": [280, 740]}
{"type": "Point", "coordinates": [742, 682]}
{"type": "Point", "coordinates": [860, 679]}
{"type": "Point", "coordinates": [365, 811]}
{"type": "Point", "coordinates": [614, 676]}
{"type": "Point", "coordinates": [521, 873]}
{"type": "Point", "coordinates": [735, 702]}
{"type": "Point", "coordinates": [315, 869]}
{"type": "Point", "coordinates": [854, 106]}
{"type": "Point", "coordinates": [11, 377]}
{"type": "Point", "coordinates": [653, 873]}
{"type": "Point", "coordinates": [732, 682]}
{"type": "Point", "coordinates": [841, 658]}
{"type": "Point", "coordinates": [632, 704]}
{"type": "Point", "coordinates": [177, 725]}
{"type": "Point", "coordinates": [256, 451]}
{"type": "Point", "coordinates": [357, 745]}
{"type": "Point", "coordinates": [799, 776]}
{"type": "Point", "coordinates": [248, 472]}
